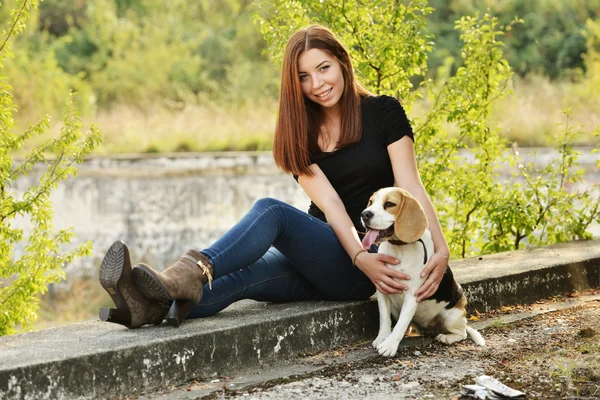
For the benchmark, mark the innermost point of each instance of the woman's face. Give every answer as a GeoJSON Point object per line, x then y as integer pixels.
{"type": "Point", "coordinates": [320, 77]}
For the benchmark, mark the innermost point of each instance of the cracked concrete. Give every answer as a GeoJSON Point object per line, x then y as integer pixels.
{"type": "Point", "coordinates": [98, 360]}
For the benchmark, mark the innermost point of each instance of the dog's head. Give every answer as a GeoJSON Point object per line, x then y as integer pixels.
{"type": "Point", "coordinates": [393, 214]}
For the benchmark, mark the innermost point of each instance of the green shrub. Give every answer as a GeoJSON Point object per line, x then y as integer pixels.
{"type": "Point", "coordinates": [592, 59]}
{"type": "Point", "coordinates": [389, 44]}
{"type": "Point", "coordinates": [34, 69]}
{"type": "Point", "coordinates": [25, 274]}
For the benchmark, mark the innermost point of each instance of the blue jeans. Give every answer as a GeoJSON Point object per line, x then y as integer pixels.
{"type": "Point", "coordinates": [278, 253]}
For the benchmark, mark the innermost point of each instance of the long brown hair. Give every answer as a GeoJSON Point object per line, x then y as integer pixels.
{"type": "Point", "coordinates": [299, 119]}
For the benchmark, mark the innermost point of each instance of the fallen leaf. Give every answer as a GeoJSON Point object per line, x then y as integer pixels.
{"type": "Point", "coordinates": [397, 377]}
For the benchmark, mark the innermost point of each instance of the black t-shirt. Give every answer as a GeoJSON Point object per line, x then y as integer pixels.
{"type": "Point", "coordinates": [358, 170]}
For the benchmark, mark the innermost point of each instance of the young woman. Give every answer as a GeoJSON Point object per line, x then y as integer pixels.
{"type": "Point", "coordinates": [341, 143]}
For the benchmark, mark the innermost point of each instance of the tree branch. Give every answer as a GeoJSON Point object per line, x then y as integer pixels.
{"type": "Point", "coordinates": [12, 28]}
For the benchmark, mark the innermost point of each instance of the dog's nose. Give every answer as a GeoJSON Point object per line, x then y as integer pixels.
{"type": "Point", "coordinates": [366, 215]}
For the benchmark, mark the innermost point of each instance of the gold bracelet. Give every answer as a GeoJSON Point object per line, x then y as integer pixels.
{"type": "Point", "coordinates": [354, 259]}
{"type": "Point", "coordinates": [446, 256]}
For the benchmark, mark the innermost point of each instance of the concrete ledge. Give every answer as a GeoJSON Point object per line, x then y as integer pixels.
{"type": "Point", "coordinates": [99, 360]}
{"type": "Point", "coordinates": [522, 277]}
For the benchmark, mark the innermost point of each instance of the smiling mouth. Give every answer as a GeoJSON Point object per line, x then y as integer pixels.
{"type": "Point", "coordinates": [376, 236]}
{"type": "Point", "coordinates": [324, 94]}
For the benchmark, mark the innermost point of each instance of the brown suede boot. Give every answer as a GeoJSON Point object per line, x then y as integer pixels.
{"type": "Point", "coordinates": [183, 280]}
{"type": "Point", "coordinates": [133, 308]}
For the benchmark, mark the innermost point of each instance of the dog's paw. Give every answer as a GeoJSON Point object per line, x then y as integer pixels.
{"type": "Point", "coordinates": [388, 347]}
{"type": "Point", "coordinates": [442, 338]}
{"type": "Point", "coordinates": [379, 339]}
{"type": "Point", "coordinates": [449, 338]}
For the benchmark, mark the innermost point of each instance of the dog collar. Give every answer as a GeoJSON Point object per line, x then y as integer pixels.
{"type": "Point", "coordinates": [424, 251]}
{"type": "Point", "coordinates": [401, 243]}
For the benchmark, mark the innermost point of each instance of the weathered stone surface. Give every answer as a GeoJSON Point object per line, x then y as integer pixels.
{"type": "Point", "coordinates": [97, 360]}
{"type": "Point", "coordinates": [162, 205]}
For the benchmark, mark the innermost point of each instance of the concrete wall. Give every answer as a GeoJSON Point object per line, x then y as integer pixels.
{"type": "Point", "coordinates": [162, 205]}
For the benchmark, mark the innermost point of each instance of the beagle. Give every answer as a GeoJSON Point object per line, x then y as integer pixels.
{"type": "Point", "coordinates": [396, 221]}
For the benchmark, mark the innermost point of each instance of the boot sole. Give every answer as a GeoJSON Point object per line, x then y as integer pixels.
{"type": "Point", "coordinates": [152, 288]}
{"type": "Point", "coordinates": [149, 285]}
{"type": "Point", "coordinates": [111, 272]}
{"type": "Point", "coordinates": [115, 278]}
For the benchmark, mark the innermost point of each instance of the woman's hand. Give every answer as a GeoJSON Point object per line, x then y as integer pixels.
{"type": "Point", "coordinates": [435, 268]}
{"type": "Point", "coordinates": [382, 276]}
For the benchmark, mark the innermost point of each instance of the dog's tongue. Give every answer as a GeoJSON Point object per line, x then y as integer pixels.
{"type": "Point", "coordinates": [369, 238]}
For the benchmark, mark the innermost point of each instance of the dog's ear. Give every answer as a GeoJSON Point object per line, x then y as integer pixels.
{"type": "Point", "coordinates": [411, 220]}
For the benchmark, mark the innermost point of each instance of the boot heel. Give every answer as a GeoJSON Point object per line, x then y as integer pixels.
{"type": "Point", "coordinates": [112, 270]}
{"type": "Point", "coordinates": [117, 315]}
{"type": "Point", "coordinates": [178, 311]}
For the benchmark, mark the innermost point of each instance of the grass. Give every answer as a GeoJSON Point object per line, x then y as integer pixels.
{"type": "Point", "coordinates": [499, 325]}
{"type": "Point", "coordinates": [194, 128]}
{"type": "Point", "coordinates": [534, 113]}
{"type": "Point", "coordinates": [74, 300]}
{"type": "Point", "coordinates": [531, 116]}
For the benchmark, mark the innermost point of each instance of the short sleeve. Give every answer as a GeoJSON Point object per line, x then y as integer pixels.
{"type": "Point", "coordinates": [394, 122]}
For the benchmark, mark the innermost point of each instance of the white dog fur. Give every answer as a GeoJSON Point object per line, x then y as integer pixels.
{"type": "Point", "coordinates": [395, 220]}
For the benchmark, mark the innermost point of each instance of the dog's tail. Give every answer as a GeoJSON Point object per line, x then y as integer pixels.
{"type": "Point", "coordinates": [475, 336]}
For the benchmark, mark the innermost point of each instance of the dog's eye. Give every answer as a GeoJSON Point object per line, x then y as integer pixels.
{"type": "Point", "coordinates": [370, 203]}
{"type": "Point", "coordinates": [388, 204]}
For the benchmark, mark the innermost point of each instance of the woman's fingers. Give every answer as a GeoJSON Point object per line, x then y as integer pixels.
{"type": "Point", "coordinates": [430, 286]}
{"type": "Point", "coordinates": [390, 271]}
{"type": "Point", "coordinates": [433, 263]}
{"type": "Point", "coordinates": [388, 282]}
{"type": "Point", "coordinates": [387, 259]}
{"type": "Point", "coordinates": [428, 268]}
{"type": "Point", "coordinates": [397, 274]}
{"type": "Point", "coordinates": [397, 286]}
{"type": "Point", "coordinates": [427, 290]}
{"type": "Point", "coordinates": [387, 289]}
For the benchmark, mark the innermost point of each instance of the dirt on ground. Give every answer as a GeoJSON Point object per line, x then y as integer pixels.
{"type": "Point", "coordinates": [549, 350]}
{"type": "Point", "coordinates": [552, 355]}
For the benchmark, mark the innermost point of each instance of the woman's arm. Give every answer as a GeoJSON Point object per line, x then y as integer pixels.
{"type": "Point", "coordinates": [320, 191]}
{"type": "Point", "coordinates": [406, 174]}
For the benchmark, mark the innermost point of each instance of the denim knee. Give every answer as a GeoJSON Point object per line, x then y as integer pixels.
{"type": "Point", "coordinates": [267, 202]}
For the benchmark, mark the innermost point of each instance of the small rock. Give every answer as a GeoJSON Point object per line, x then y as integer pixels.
{"type": "Point", "coordinates": [368, 379]}
{"type": "Point", "coordinates": [410, 385]}
{"type": "Point", "coordinates": [296, 384]}
{"type": "Point", "coordinates": [587, 333]}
